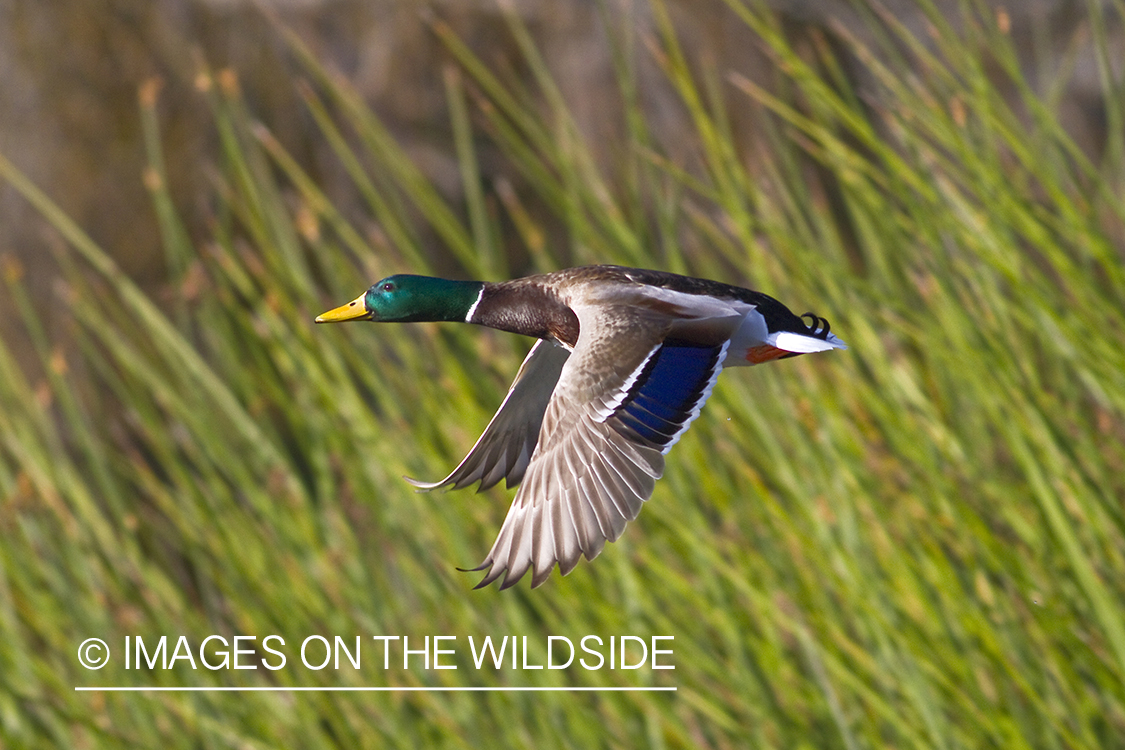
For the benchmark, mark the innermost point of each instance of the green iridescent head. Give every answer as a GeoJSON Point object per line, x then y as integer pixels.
{"type": "Point", "coordinates": [404, 298]}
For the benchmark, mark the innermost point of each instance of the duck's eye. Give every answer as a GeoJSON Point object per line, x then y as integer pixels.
{"type": "Point", "coordinates": [388, 287]}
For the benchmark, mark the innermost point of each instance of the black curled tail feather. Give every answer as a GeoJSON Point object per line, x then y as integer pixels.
{"type": "Point", "coordinates": [819, 327]}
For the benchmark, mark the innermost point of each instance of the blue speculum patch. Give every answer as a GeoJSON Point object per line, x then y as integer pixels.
{"type": "Point", "coordinates": [667, 391]}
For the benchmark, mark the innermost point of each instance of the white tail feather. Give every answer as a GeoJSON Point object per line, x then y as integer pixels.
{"type": "Point", "coordinates": [802, 343]}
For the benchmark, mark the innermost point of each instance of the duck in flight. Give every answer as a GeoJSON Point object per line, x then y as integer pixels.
{"type": "Point", "coordinates": [624, 361]}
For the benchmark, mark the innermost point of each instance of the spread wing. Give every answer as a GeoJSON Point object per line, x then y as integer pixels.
{"type": "Point", "coordinates": [637, 378]}
{"type": "Point", "coordinates": [504, 449]}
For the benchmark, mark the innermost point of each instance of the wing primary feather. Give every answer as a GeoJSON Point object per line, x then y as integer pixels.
{"type": "Point", "coordinates": [585, 521]}
{"type": "Point", "coordinates": [601, 528]}
{"type": "Point", "coordinates": [640, 492]}
{"type": "Point", "coordinates": [519, 558]}
{"type": "Point", "coordinates": [567, 549]}
{"type": "Point", "coordinates": [605, 480]}
{"type": "Point", "coordinates": [543, 548]}
{"type": "Point", "coordinates": [616, 495]}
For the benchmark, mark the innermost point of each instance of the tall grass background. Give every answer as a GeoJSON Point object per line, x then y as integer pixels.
{"type": "Point", "coordinates": [914, 543]}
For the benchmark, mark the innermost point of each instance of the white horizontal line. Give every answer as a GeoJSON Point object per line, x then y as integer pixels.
{"type": "Point", "coordinates": [131, 689]}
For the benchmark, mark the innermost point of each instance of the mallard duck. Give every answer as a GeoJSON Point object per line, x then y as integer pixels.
{"type": "Point", "coordinates": [624, 361]}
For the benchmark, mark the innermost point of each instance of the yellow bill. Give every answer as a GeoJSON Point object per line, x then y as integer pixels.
{"type": "Point", "coordinates": [354, 310]}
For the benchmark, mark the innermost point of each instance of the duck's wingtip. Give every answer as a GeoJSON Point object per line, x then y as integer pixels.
{"type": "Point", "coordinates": [486, 564]}
{"type": "Point", "coordinates": [421, 486]}
{"type": "Point", "coordinates": [510, 580]}
{"type": "Point", "coordinates": [491, 577]}
{"type": "Point", "coordinates": [539, 578]}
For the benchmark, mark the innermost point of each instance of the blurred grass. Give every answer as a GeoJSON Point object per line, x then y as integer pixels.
{"type": "Point", "coordinates": [914, 543]}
